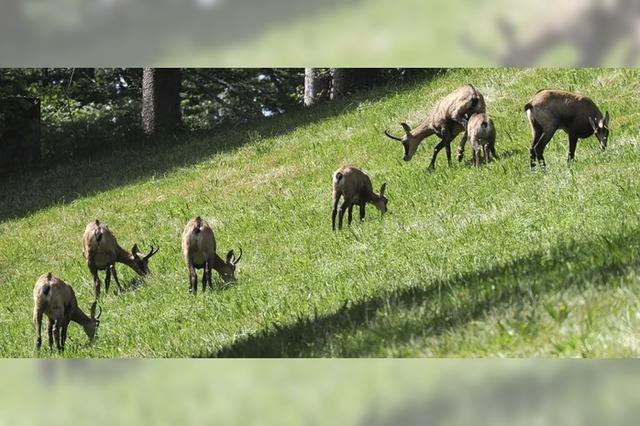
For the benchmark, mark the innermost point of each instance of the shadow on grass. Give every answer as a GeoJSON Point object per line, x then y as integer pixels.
{"type": "Point", "coordinates": [449, 303]}
{"type": "Point", "coordinates": [65, 182]}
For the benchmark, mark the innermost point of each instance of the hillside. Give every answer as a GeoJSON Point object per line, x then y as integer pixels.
{"type": "Point", "coordinates": [500, 261]}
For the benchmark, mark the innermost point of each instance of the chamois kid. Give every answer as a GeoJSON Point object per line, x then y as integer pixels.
{"type": "Point", "coordinates": [481, 133]}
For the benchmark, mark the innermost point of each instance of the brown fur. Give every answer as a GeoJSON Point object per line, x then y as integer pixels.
{"type": "Point", "coordinates": [578, 116]}
{"type": "Point", "coordinates": [57, 300]}
{"type": "Point", "coordinates": [447, 119]}
{"type": "Point", "coordinates": [199, 252]}
{"type": "Point", "coordinates": [101, 251]}
{"type": "Point", "coordinates": [355, 186]}
{"type": "Point", "coordinates": [481, 133]}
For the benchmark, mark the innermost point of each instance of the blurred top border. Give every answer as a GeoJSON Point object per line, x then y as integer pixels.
{"type": "Point", "coordinates": [297, 33]}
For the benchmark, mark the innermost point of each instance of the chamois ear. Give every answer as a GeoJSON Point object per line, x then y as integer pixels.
{"type": "Point", "coordinates": [606, 119]}
{"type": "Point", "coordinates": [382, 189]}
{"type": "Point", "coordinates": [406, 128]}
{"type": "Point", "coordinates": [229, 256]}
{"type": "Point", "coordinates": [134, 249]}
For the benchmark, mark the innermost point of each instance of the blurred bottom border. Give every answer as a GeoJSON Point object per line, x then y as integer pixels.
{"type": "Point", "coordinates": [319, 391]}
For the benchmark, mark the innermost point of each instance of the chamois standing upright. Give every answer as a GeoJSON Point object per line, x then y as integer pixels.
{"type": "Point", "coordinates": [199, 252]}
{"type": "Point", "coordinates": [481, 133]}
{"type": "Point", "coordinates": [101, 251]}
{"type": "Point", "coordinates": [578, 116]}
{"type": "Point", "coordinates": [56, 299]}
{"type": "Point", "coordinates": [356, 189]}
{"type": "Point", "coordinates": [447, 119]}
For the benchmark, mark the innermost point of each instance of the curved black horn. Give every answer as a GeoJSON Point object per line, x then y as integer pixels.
{"type": "Point", "coordinates": [389, 135]}
{"type": "Point", "coordinates": [99, 312]}
{"type": "Point", "coordinates": [152, 252]}
{"type": "Point", "coordinates": [237, 259]}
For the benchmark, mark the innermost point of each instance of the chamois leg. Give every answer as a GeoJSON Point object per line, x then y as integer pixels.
{"type": "Point", "coordinates": [476, 156]}
{"type": "Point", "coordinates": [436, 150]}
{"type": "Point", "coordinates": [63, 334]}
{"type": "Point", "coordinates": [343, 209]}
{"type": "Point", "coordinates": [204, 276]}
{"type": "Point", "coordinates": [115, 278]}
{"type": "Point", "coordinates": [541, 145]}
{"type": "Point", "coordinates": [362, 206]}
{"type": "Point", "coordinates": [107, 279]}
{"type": "Point", "coordinates": [537, 135]}
{"type": "Point", "coordinates": [463, 142]}
{"type": "Point", "coordinates": [492, 147]}
{"type": "Point", "coordinates": [350, 211]}
{"type": "Point", "coordinates": [447, 149]}
{"type": "Point", "coordinates": [50, 333]}
{"type": "Point", "coordinates": [573, 142]}
{"type": "Point", "coordinates": [193, 279]}
{"type": "Point", "coordinates": [334, 212]}
{"type": "Point", "coordinates": [96, 281]}
{"type": "Point", "coordinates": [208, 269]}
{"type": "Point", "coordinates": [37, 317]}
{"type": "Point", "coordinates": [56, 333]}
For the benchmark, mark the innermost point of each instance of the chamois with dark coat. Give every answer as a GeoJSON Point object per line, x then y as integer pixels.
{"type": "Point", "coordinates": [481, 133]}
{"type": "Point", "coordinates": [102, 251]}
{"type": "Point", "coordinates": [356, 189]}
{"type": "Point", "coordinates": [56, 299]}
{"type": "Point", "coordinates": [578, 116]}
{"type": "Point", "coordinates": [199, 252]}
{"type": "Point", "coordinates": [446, 120]}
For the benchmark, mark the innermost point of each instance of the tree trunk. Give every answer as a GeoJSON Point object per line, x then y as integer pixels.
{"type": "Point", "coordinates": [341, 82]}
{"type": "Point", "coordinates": [161, 100]}
{"type": "Point", "coordinates": [316, 85]}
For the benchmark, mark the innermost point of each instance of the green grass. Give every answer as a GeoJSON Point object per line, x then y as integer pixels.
{"type": "Point", "coordinates": [499, 261]}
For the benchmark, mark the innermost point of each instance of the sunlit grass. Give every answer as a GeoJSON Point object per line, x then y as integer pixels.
{"type": "Point", "coordinates": [496, 261]}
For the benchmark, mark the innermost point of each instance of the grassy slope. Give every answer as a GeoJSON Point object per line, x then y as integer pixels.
{"type": "Point", "coordinates": [497, 261]}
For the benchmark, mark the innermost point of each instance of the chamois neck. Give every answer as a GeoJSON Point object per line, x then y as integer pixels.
{"type": "Point", "coordinates": [80, 317]}
{"type": "Point", "coordinates": [217, 263]}
{"type": "Point", "coordinates": [125, 257]}
{"type": "Point", "coordinates": [422, 130]}
{"type": "Point", "coordinates": [372, 197]}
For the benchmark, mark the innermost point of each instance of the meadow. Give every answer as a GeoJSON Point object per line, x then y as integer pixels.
{"type": "Point", "coordinates": [497, 261]}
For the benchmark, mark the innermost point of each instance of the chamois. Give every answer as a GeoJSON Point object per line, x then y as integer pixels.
{"type": "Point", "coordinates": [355, 186]}
{"type": "Point", "coordinates": [446, 120]}
{"type": "Point", "coordinates": [481, 133]}
{"type": "Point", "coordinates": [56, 299]}
{"type": "Point", "coordinates": [101, 251]}
{"type": "Point", "coordinates": [199, 251]}
{"type": "Point", "coordinates": [578, 116]}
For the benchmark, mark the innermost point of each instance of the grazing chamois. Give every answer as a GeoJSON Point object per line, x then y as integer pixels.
{"type": "Point", "coordinates": [101, 250]}
{"type": "Point", "coordinates": [481, 133]}
{"type": "Point", "coordinates": [56, 299]}
{"type": "Point", "coordinates": [355, 186]}
{"type": "Point", "coordinates": [578, 116]}
{"type": "Point", "coordinates": [199, 251]}
{"type": "Point", "coordinates": [446, 120]}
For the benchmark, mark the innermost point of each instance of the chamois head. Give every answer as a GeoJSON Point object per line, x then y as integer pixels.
{"type": "Point", "coordinates": [381, 202]}
{"type": "Point", "coordinates": [228, 270]}
{"type": "Point", "coordinates": [141, 263]}
{"type": "Point", "coordinates": [91, 327]}
{"type": "Point", "coordinates": [409, 142]}
{"type": "Point", "coordinates": [601, 129]}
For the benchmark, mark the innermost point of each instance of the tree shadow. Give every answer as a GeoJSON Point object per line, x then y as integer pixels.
{"type": "Point", "coordinates": [51, 184]}
{"type": "Point", "coordinates": [460, 299]}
